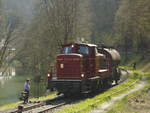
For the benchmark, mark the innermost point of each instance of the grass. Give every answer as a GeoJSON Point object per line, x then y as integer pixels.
{"type": "Point", "coordinates": [91, 103]}
{"type": "Point", "coordinates": [142, 63]}
{"type": "Point", "coordinates": [14, 105]}
{"type": "Point", "coordinates": [122, 106]}
{"type": "Point", "coordinates": [44, 97]}
{"type": "Point", "coordinates": [143, 69]}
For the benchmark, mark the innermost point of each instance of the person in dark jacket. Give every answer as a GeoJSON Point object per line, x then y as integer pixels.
{"type": "Point", "coordinates": [26, 90]}
{"type": "Point", "coordinates": [134, 65]}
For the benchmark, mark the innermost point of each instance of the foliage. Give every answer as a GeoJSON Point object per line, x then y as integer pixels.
{"type": "Point", "coordinates": [56, 22]}
{"type": "Point", "coordinates": [8, 24]}
{"type": "Point", "coordinates": [118, 23]}
{"type": "Point", "coordinates": [103, 14]}
{"type": "Point", "coordinates": [132, 25]}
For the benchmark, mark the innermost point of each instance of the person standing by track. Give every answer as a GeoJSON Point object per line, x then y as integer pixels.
{"type": "Point", "coordinates": [134, 66]}
{"type": "Point", "coordinates": [26, 90]}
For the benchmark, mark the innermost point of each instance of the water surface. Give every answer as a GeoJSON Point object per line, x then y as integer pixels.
{"type": "Point", "coordinates": [10, 89]}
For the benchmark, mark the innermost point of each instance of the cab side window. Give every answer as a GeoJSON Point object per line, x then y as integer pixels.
{"type": "Point", "coordinates": [83, 50]}
{"type": "Point", "coordinates": [96, 51]}
{"type": "Point", "coordinates": [106, 63]}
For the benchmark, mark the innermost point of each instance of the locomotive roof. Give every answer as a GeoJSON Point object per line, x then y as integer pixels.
{"type": "Point", "coordinates": [90, 45]}
{"type": "Point", "coordinates": [114, 54]}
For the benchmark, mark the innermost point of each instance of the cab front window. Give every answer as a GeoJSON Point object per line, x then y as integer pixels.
{"type": "Point", "coordinates": [67, 50]}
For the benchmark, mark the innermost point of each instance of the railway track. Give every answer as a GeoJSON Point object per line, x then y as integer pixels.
{"type": "Point", "coordinates": [28, 108]}
{"type": "Point", "coordinates": [43, 106]}
{"type": "Point", "coordinates": [50, 105]}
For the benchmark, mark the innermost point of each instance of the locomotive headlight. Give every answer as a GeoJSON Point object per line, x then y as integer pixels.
{"type": "Point", "coordinates": [48, 75]}
{"type": "Point", "coordinates": [61, 66]}
{"type": "Point", "coordinates": [82, 75]}
{"type": "Point", "coordinates": [72, 46]}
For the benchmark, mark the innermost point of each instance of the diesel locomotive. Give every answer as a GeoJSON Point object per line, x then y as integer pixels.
{"type": "Point", "coordinates": [84, 68]}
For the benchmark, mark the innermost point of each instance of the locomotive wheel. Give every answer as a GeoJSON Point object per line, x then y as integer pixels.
{"type": "Point", "coordinates": [95, 86]}
{"type": "Point", "coordinates": [117, 75]}
{"type": "Point", "coordinates": [94, 89]}
{"type": "Point", "coordinates": [100, 86]}
{"type": "Point", "coordinates": [116, 82]}
{"type": "Point", "coordinates": [107, 83]}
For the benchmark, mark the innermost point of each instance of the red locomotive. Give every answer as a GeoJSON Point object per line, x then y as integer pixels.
{"type": "Point", "coordinates": [84, 68]}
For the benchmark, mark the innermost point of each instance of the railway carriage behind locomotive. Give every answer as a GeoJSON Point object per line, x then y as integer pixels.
{"type": "Point", "coordinates": [83, 68]}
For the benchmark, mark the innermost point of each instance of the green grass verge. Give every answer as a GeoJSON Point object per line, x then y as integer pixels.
{"type": "Point", "coordinates": [120, 106]}
{"type": "Point", "coordinates": [91, 103]}
{"type": "Point", "coordinates": [14, 105]}
{"type": "Point", "coordinates": [142, 62]}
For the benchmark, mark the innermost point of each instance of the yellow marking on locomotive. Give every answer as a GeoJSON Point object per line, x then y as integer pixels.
{"type": "Point", "coordinates": [61, 66]}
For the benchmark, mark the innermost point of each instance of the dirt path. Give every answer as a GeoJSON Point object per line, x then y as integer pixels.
{"type": "Point", "coordinates": [104, 107]}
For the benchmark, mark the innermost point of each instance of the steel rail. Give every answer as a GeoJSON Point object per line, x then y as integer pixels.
{"type": "Point", "coordinates": [50, 108]}
{"type": "Point", "coordinates": [27, 107]}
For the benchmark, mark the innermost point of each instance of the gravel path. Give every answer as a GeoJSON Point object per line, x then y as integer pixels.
{"type": "Point", "coordinates": [103, 108]}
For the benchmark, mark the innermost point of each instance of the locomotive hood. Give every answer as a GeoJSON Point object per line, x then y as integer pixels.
{"type": "Point", "coordinates": [69, 66]}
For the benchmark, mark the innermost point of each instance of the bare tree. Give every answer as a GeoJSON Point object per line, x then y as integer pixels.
{"type": "Point", "coordinates": [7, 28]}
{"type": "Point", "coordinates": [55, 22]}
{"type": "Point", "coordinates": [62, 18]}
